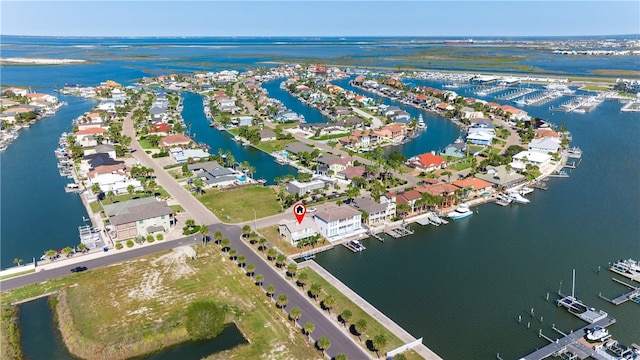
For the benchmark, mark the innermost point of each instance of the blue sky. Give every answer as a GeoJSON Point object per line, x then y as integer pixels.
{"type": "Point", "coordinates": [319, 18]}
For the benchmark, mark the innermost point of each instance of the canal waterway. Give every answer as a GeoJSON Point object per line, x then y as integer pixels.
{"type": "Point", "coordinates": [461, 286]}
{"type": "Point", "coordinates": [41, 339]}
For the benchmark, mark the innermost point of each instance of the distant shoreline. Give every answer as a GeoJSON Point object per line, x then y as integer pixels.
{"type": "Point", "coordinates": [40, 61]}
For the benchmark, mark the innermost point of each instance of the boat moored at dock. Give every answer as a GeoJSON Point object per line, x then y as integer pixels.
{"type": "Point", "coordinates": [460, 212]}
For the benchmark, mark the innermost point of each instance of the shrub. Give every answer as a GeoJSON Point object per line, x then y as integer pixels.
{"type": "Point", "coordinates": [118, 246]}
{"type": "Point", "coordinates": [129, 243]}
{"type": "Point", "coordinates": [159, 237]}
{"type": "Point", "coordinates": [204, 320]}
{"type": "Point", "coordinates": [150, 238]}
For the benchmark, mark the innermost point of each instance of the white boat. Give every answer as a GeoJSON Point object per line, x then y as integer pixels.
{"type": "Point", "coordinates": [517, 198]}
{"type": "Point", "coordinates": [460, 212]}
{"type": "Point", "coordinates": [525, 190]}
{"type": "Point", "coordinates": [355, 245]}
{"type": "Point", "coordinates": [421, 125]}
{"type": "Point", "coordinates": [597, 333]}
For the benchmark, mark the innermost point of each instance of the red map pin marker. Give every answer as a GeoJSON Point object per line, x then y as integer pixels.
{"type": "Point", "coordinates": [299, 210]}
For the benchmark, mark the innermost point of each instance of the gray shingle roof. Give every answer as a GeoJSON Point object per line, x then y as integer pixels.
{"type": "Point", "coordinates": [135, 210]}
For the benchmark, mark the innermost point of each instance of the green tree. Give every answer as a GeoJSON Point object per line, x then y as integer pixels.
{"type": "Point", "coordinates": [225, 244]}
{"type": "Point", "coordinates": [315, 289]}
{"type": "Point", "coordinates": [328, 302]}
{"type": "Point", "coordinates": [281, 259]}
{"type": "Point", "coordinates": [360, 327]}
{"type": "Point", "coordinates": [302, 278]}
{"type": "Point", "coordinates": [291, 269]}
{"type": "Point", "coordinates": [272, 253]}
{"type": "Point", "coordinates": [241, 260]}
{"type": "Point", "coordinates": [51, 254]}
{"type": "Point", "coordinates": [250, 269]}
{"type": "Point", "coordinates": [345, 316]}
{"type": "Point", "coordinates": [271, 289]}
{"type": "Point", "coordinates": [82, 247]}
{"type": "Point", "coordinates": [308, 328]}
{"type": "Point", "coordinates": [246, 230]}
{"type": "Point", "coordinates": [259, 279]}
{"type": "Point", "coordinates": [204, 231]}
{"type": "Point", "coordinates": [204, 320]}
{"type": "Point", "coordinates": [295, 314]}
{"type": "Point", "coordinates": [17, 261]}
{"type": "Point", "coordinates": [323, 343]}
{"type": "Point", "coordinates": [198, 184]}
{"type": "Point", "coordinates": [282, 301]}
{"type": "Point", "coordinates": [343, 356]}
{"type": "Point", "coordinates": [379, 342]}
{"type": "Point", "coordinates": [95, 188]}
{"type": "Point", "coordinates": [233, 253]}
{"type": "Point", "coordinates": [217, 236]}
{"type": "Point", "coordinates": [262, 244]}
{"type": "Point", "coordinates": [67, 251]}
{"type": "Point", "coordinates": [447, 174]}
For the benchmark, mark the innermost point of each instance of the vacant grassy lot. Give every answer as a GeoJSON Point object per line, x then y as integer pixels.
{"type": "Point", "coordinates": [234, 206]}
{"type": "Point", "coordinates": [138, 306]}
{"type": "Point", "coordinates": [275, 145]}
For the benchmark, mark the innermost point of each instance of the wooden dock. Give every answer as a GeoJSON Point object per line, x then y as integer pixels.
{"type": "Point", "coordinates": [569, 343]}
{"type": "Point", "coordinates": [633, 295]}
{"type": "Point", "coordinates": [398, 232]}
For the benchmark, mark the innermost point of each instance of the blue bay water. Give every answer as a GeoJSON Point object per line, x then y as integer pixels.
{"type": "Point", "coordinates": [460, 286]}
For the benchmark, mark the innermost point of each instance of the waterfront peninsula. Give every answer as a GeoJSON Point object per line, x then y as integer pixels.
{"type": "Point", "coordinates": [342, 158]}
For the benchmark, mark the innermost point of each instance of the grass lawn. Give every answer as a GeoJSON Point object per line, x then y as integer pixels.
{"type": "Point", "coordinates": [234, 206]}
{"type": "Point", "coordinates": [275, 145]}
{"type": "Point", "coordinates": [461, 165]}
{"type": "Point", "coordinates": [96, 206]}
{"type": "Point", "coordinates": [271, 233]}
{"type": "Point", "coordinates": [145, 144]}
{"type": "Point", "coordinates": [329, 137]}
{"type": "Point", "coordinates": [177, 208]}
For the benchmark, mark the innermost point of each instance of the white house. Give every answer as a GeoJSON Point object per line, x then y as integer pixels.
{"type": "Point", "coordinates": [522, 159]}
{"type": "Point", "coordinates": [545, 145]}
{"type": "Point", "coordinates": [340, 222]}
{"type": "Point", "coordinates": [294, 232]}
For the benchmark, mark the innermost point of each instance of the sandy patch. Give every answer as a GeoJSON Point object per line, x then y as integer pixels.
{"type": "Point", "coordinates": [173, 266]}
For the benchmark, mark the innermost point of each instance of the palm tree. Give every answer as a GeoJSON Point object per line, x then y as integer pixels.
{"type": "Point", "coordinates": [291, 269]}
{"type": "Point", "coordinates": [51, 254]}
{"type": "Point", "coordinates": [282, 301]}
{"type": "Point", "coordinates": [253, 236]}
{"type": "Point", "coordinates": [95, 188]}
{"type": "Point", "coordinates": [217, 236]}
{"type": "Point", "coordinates": [225, 243]}
{"type": "Point", "coordinates": [345, 316]}
{"type": "Point", "coordinates": [271, 253]}
{"type": "Point", "coordinates": [82, 247]}
{"type": "Point", "coordinates": [233, 253]}
{"type": "Point", "coordinates": [295, 314]}
{"type": "Point", "coordinates": [379, 341]}
{"type": "Point", "coordinates": [343, 356]}
{"type": "Point", "coordinates": [271, 289]}
{"type": "Point", "coordinates": [308, 328]}
{"type": "Point", "coordinates": [110, 195]}
{"type": "Point", "coordinates": [198, 183]}
{"type": "Point", "coordinates": [241, 260]}
{"type": "Point", "coordinates": [447, 174]}
{"type": "Point", "coordinates": [302, 278]}
{"type": "Point", "coordinates": [67, 251]}
{"type": "Point", "coordinates": [204, 231]}
{"type": "Point", "coordinates": [360, 327]}
{"type": "Point", "coordinates": [250, 269]}
{"type": "Point", "coordinates": [315, 290]}
{"type": "Point", "coordinates": [246, 230]}
{"type": "Point", "coordinates": [17, 261]}
{"type": "Point", "coordinates": [261, 243]}
{"type": "Point", "coordinates": [328, 302]}
{"type": "Point", "coordinates": [281, 259]}
{"type": "Point", "coordinates": [259, 279]}
{"type": "Point", "coordinates": [130, 189]}
{"type": "Point", "coordinates": [323, 343]}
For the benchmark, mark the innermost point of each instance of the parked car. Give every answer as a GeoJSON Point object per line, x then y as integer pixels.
{"type": "Point", "coordinates": [78, 269]}
{"type": "Point", "coordinates": [311, 210]}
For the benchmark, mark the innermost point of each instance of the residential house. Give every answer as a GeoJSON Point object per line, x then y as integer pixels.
{"type": "Point", "coordinates": [139, 217]}
{"type": "Point", "coordinates": [339, 222]}
{"type": "Point", "coordinates": [428, 162]}
{"type": "Point", "coordinates": [524, 158]}
{"type": "Point", "coordinates": [332, 165]}
{"type": "Point", "coordinates": [481, 133]}
{"type": "Point", "coordinates": [374, 213]}
{"type": "Point", "coordinates": [470, 113]}
{"type": "Point", "coordinates": [392, 132]}
{"type": "Point", "coordinates": [409, 197]}
{"type": "Point", "coordinates": [545, 145]}
{"type": "Point", "coordinates": [350, 172]}
{"type": "Point", "coordinates": [242, 121]}
{"type": "Point", "coordinates": [267, 135]}
{"type": "Point", "coordinates": [298, 147]}
{"type": "Point", "coordinates": [175, 140]}
{"type": "Point", "coordinates": [88, 137]}
{"type": "Point", "coordinates": [457, 149]}
{"type": "Point", "coordinates": [473, 187]}
{"type": "Point", "coordinates": [500, 177]}
{"type": "Point", "coordinates": [161, 129]}
{"type": "Point", "coordinates": [182, 156]}
{"type": "Point", "coordinates": [302, 188]}
{"type": "Point", "coordinates": [293, 231]}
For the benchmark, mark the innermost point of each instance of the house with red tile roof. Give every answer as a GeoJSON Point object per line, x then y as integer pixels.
{"type": "Point", "coordinates": [409, 197]}
{"type": "Point", "coordinates": [161, 129]}
{"type": "Point", "coordinates": [174, 140]}
{"type": "Point", "coordinates": [429, 162]}
{"type": "Point", "coordinates": [512, 110]}
{"type": "Point", "coordinates": [473, 186]}
{"type": "Point", "coordinates": [392, 132]}
{"type": "Point", "coordinates": [88, 137]}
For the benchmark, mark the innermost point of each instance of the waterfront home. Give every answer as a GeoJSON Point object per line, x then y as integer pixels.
{"type": "Point", "coordinates": [547, 133]}
{"type": "Point", "coordinates": [219, 177]}
{"type": "Point", "coordinates": [409, 197]}
{"type": "Point", "coordinates": [439, 189]}
{"type": "Point", "coordinates": [16, 91]}
{"type": "Point", "coordinates": [428, 162]}
{"type": "Point", "coordinates": [349, 123]}
{"type": "Point", "coordinates": [242, 121]}
{"type": "Point", "coordinates": [360, 139]}
{"type": "Point", "coordinates": [470, 113]}
{"type": "Point", "coordinates": [293, 232]}
{"type": "Point", "coordinates": [108, 149]}
{"type": "Point", "coordinates": [296, 148]}
{"type": "Point", "coordinates": [393, 132]}
{"type": "Point", "coordinates": [339, 222]}
{"type": "Point", "coordinates": [481, 133]}
{"type": "Point", "coordinates": [343, 111]}
{"type": "Point", "coordinates": [205, 166]}
{"type": "Point", "coordinates": [457, 149]}
{"type": "Point", "coordinates": [302, 188]}
{"type": "Point", "coordinates": [350, 172]}
{"type": "Point", "coordinates": [524, 158]}
{"type": "Point", "coordinates": [545, 145]}
{"type": "Point", "coordinates": [331, 165]}
{"type": "Point", "coordinates": [158, 114]}
{"type": "Point", "coordinates": [500, 177]}
{"type": "Point", "coordinates": [374, 213]}
{"type": "Point", "coordinates": [443, 106]}
{"type": "Point", "coordinates": [515, 112]}
{"type": "Point", "coordinates": [473, 187]}
{"type": "Point", "coordinates": [161, 129]}
{"type": "Point", "coordinates": [182, 156]}
{"type": "Point", "coordinates": [139, 217]}
{"type": "Point", "coordinates": [117, 181]}
{"type": "Point", "coordinates": [40, 97]}
{"type": "Point", "coordinates": [88, 137]}
{"type": "Point", "coordinates": [174, 140]}
{"type": "Point", "coordinates": [267, 135]}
